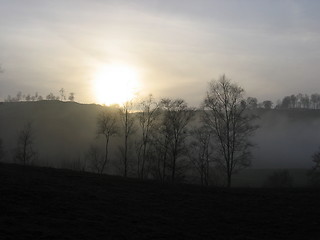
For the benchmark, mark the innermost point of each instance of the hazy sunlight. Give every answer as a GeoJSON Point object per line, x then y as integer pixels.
{"type": "Point", "coordinates": [115, 84]}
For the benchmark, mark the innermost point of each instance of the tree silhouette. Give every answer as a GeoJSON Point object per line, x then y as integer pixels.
{"type": "Point", "coordinates": [252, 102]}
{"type": "Point", "coordinates": [225, 114]}
{"type": "Point", "coordinates": [62, 94]}
{"type": "Point", "coordinates": [95, 158]}
{"type": "Point", "coordinates": [147, 116]}
{"type": "Point", "coordinates": [71, 97]}
{"type": "Point", "coordinates": [127, 121]}
{"type": "Point", "coordinates": [267, 104]}
{"type": "Point", "coordinates": [106, 126]}
{"type": "Point", "coordinates": [24, 151]}
{"type": "Point", "coordinates": [176, 117]}
{"type": "Point", "coordinates": [200, 152]}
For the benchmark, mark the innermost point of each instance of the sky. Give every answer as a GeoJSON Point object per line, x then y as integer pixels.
{"type": "Point", "coordinates": [270, 48]}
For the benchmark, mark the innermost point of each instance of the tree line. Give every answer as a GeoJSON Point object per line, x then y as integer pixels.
{"type": "Point", "coordinates": [63, 96]}
{"type": "Point", "coordinates": [166, 139]}
{"type": "Point", "coordinates": [294, 101]}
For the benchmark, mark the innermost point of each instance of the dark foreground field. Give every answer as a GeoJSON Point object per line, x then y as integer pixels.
{"type": "Point", "coordinates": [41, 203]}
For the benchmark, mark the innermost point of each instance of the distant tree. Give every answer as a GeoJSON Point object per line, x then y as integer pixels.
{"type": "Point", "coordinates": [176, 118]}
{"type": "Point", "coordinates": [62, 94]}
{"type": "Point", "coordinates": [40, 98]}
{"type": "Point", "coordinates": [78, 163]}
{"type": "Point", "coordinates": [19, 96]}
{"type": "Point", "coordinates": [24, 151]}
{"type": "Point", "coordinates": [267, 104]}
{"type": "Point", "coordinates": [128, 128]}
{"type": "Point", "coordinates": [279, 179]}
{"type": "Point", "coordinates": [148, 116]}
{"type": "Point", "coordinates": [106, 126]}
{"type": "Point", "coordinates": [71, 97]}
{"type": "Point", "coordinates": [28, 97]}
{"type": "Point", "coordinates": [252, 103]}
{"type": "Point", "coordinates": [226, 115]}
{"type": "Point", "coordinates": [8, 99]}
{"type": "Point", "coordinates": [286, 102]}
{"type": "Point", "coordinates": [293, 101]}
{"type": "Point", "coordinates": [200, 152]}
{"type": "Point", "coordinates": [95, 158]}
{"type": "Point", "coordinates": [315, 100]}
{"type": "Point", "coordinates": [50, 96]}
{"type": "Point", "coordinates": [305, 101]}
{"type": "Point", "coordinates": [161, 148]}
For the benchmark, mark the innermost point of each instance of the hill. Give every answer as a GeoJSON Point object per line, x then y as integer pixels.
{"type": "Point", "coordinates": [63, 130]}
{"type": "Point", "coordinates": [45, 203]}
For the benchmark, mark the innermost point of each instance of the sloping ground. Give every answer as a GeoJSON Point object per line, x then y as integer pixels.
{"type": "Point", "coordinates": [44, 203]}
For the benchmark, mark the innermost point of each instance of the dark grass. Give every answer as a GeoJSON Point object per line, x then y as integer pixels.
{"type": "Point", "coordinates": [44, 203]}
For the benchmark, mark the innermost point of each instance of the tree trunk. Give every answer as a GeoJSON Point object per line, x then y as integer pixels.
{"type": "Point", "coordinates": [229, 180]}
{"type": "Point", "coordinates": [106, 155]}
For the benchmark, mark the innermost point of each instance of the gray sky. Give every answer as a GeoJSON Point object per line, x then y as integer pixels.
{"type": "Point", "coordinates": [270, 48]}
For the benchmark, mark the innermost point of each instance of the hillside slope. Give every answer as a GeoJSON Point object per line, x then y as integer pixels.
{"type": "Point", "coordinates": [44, 203]}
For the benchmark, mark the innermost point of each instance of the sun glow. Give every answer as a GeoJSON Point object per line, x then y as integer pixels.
{"type": "Point", "coordinates": [115, 84]}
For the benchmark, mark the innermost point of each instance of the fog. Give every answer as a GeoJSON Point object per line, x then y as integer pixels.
{"type": "Point", "coordinates": [64, 131]}
{"type": "Point", "coordinates": [286, 138]}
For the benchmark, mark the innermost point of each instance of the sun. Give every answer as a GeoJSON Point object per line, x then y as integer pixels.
{"type": "Point", "coordinates": [115, 84]}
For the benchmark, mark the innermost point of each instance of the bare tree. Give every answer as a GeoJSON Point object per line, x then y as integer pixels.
{"type": "Point", "coordinates": [225, 113]}
{"type": "Point", "coordinates": [51, 97]}
{"type": "Point", "coordinates": [286, 102]}
{"type": "Point", "coordinates": [176, 117]}
{"type": "Point", "coordinates": [148, 115]}
{"type": "Point", "coordinates": [315, 100]}
{"type": "Point", "coordinates": [24, 151]}
{"type": "Point", "coordinates": [252, 103]}
{"type": "Point", "coordinates": [95, 159]}
{"type": "Point", "coordinates": [62, 94]}
{"type": "Point", "coordinates": [267, 104]}
{"type": "Point", "coordinates": [293, 99]}
{"type": "Point", "coordinates": [200, 152]}
{"type": "Point", "coordinates": [127, 120]}
{"type": "Point", "coordinates": [160, 141]}
{"type": "Point", "coordinates": [28, 97]}
{"type": "Point", "coordinates": [71, 97]}
{"type": "Point", "coordinates": [107, 126]}
{"type": "Point", "coordinates": [305, 101]}
{"type": "Point", "coordinates": [19, 96]}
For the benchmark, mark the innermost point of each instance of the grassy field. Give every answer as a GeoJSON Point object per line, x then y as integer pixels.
{"type": "Point", "coordinates": [44, 203]}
